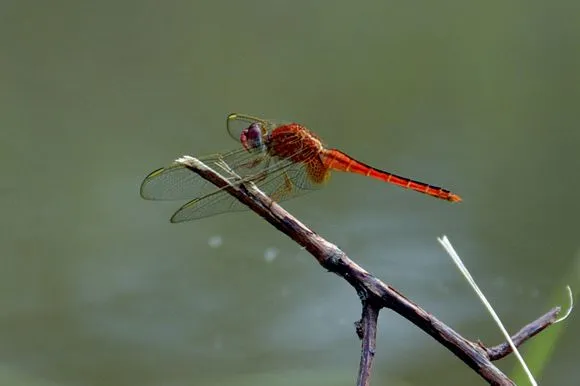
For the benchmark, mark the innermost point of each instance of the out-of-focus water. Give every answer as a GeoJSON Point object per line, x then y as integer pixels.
{"type": "Point", "coordinates": [99, 289]}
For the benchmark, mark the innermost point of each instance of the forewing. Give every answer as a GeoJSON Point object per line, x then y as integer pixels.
{"type": "Point", "coordinates": [176, 182]}
{"type": "Point", "coordinates": [282, 182]}
{"type": "Point", "coordinates": [237, 122]}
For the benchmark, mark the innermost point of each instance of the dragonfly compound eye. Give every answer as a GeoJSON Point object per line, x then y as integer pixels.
{"type": "Point", "coordinates": [251, 137]}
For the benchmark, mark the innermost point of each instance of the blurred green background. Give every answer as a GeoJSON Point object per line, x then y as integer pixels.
{"type": "Point", "coordinates": [99, 289]}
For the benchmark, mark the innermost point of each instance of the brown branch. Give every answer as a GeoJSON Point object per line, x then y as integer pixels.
{"type": "Point", "coordinates": [531, 329]}
{"type": "Point", "coordinates": [366, 329]}
{"type": "Point", "coordinates": [373, 293]}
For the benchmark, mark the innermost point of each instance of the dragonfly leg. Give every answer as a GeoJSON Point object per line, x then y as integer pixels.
{"type": "Point", "coordinates": [253, 163]}
{"type": "Point", "coordinates": [285, 189]}
{"type": "Point", "coordinates": [226, 168]}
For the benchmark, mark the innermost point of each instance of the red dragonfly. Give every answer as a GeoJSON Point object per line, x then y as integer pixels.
{"type": "Point", "coordinates": [283, 159]}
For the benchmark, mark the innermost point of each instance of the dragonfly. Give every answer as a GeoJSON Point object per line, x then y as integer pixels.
{"type": "Point", "coordinates": [284, 160]}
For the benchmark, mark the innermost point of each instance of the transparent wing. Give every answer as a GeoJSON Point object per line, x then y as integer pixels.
{"type": "Point", "coordinates": [283, 181]}
{"type": "Point", "coordinates": [176, 182]}
{"type": "Point", "coordinates": [236, 122]}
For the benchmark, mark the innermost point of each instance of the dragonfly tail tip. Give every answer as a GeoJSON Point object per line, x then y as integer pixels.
{"type": "Point", "coordinates": [454, 198]}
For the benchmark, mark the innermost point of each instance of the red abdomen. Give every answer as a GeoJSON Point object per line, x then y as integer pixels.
{"type": "Point", "coordinates": [336, 160]}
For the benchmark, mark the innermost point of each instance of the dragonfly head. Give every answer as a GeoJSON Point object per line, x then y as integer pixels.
{"type": "Point", "coordinates": [252, 138]}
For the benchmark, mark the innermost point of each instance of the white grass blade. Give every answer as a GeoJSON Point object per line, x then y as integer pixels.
{"type": "Point", "coordinates": [444, 241]}
{"type": "Point", "coordinates": [570, 307]}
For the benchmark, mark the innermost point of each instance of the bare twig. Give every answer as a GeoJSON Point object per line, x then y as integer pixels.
{"type": "Point", "coordinates": [366, 329]}
{"type": "Point", "coordinates": [373, 293]}
{"type": "Point", "coordinates": [531, 329]}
